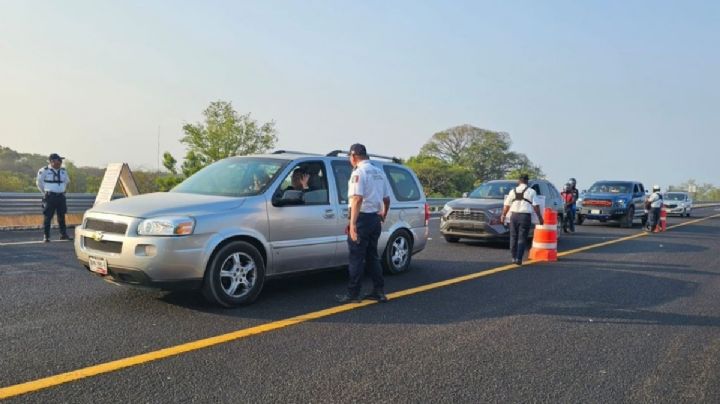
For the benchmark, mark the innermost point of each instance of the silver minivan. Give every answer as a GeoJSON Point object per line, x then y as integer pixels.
{"type": "Point", "coordinates": [239, 221]}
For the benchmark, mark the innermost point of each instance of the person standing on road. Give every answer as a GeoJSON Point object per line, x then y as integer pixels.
{"type": "Point", "coordinates": [52, 181]}
{"type": "Point", "coordinates": [369, 203]}
{"type": "Point", "coordinates": [653, 204]}
{"type": "Point", "coordinates": [569, 200]}
{"type": "Point", "coordinates": [576, 196]}
{"type": "Point", "coordinates": [521, 202]}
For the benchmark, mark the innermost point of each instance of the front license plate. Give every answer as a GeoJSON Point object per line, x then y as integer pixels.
{"type": "Point", "coordinates": [98, 265]}
{"type": "Point", "coordinates": [595, 212]}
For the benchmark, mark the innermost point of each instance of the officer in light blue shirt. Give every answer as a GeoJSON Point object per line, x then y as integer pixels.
{"type": "Point", "coordinates": [369, 200]}
{"type": "Point", "coordinates": [52, 181]}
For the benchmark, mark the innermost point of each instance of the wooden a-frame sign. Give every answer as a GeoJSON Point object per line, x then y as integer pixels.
{"type": "Point", "coordinates": [116, 172]}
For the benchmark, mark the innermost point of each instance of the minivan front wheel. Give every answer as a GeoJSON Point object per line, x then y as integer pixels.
{"type": "Point", "coordinates": [398, 252]}
{"type": "Point", "coordinates": [235, 276]}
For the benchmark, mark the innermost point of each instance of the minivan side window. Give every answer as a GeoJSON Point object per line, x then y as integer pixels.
{"type": "Point", "coordinates": [342, 171]}
{"type": "Point", "coordinates": [308, 177]}
{"type": "Point", "coordinates": [402, 183]}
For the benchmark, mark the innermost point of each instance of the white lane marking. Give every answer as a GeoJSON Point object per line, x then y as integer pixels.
{"type": "Point", "coordinates": [32, 242]}
{"type": "Point", "coordinates": [434, 218]}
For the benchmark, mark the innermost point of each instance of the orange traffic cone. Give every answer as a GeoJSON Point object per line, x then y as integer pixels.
{"type": "Point", "coordinates": [662, 226]}
{"type": "Point", "coordinates": [544, 246]}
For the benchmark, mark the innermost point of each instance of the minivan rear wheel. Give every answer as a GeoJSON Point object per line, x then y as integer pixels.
{"type": "Point", "coordinates": [398, 252]}
{"type": "Point", "coordinates": [235, 276]}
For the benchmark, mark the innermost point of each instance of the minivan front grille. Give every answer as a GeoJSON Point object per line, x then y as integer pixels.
{"type": "Point", "coordinates": [473, 215]}
{"type": "Point", "coordinates": [103, 245]}
{"type": "Point", "coordinates": [105, 226]}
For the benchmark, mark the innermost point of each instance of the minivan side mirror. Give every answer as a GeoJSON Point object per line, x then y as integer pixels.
{"type": "Point", "coordinates": [289, 198]}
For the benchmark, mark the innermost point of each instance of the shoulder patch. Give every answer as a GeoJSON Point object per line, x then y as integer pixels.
{"type": "Point", "coordinates": [355, 179]}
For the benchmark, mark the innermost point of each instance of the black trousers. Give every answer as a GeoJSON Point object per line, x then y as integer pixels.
{"type": "Point", "coordinates": [364, 254]}
{"type": "Point", "coordinates": [54, 204]}
{"type": "Point", "coordinates": [519, 230]}
{"type": "Point", "coordinates": [654, 218]}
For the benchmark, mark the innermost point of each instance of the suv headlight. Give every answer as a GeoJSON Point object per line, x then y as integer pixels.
{"type": "Point", "coordinates": [620, 203]}
{"type": "Point", "coordinates": [166, 226]}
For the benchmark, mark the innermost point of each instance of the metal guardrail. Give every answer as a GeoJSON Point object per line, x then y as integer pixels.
{"type": "Point", "coordinates": [31, 203]}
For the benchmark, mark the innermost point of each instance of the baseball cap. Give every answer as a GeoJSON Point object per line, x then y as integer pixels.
{"type": "Point", "coordinates": [358, 150]}
{"type": "Point", "coordinates": [55, 156]}
{"type": "Point", "coordinates": [525, 177]}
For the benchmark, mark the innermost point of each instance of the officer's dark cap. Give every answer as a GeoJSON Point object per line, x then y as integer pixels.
{"type": "Point", "coordinates": [524, 178]}
{"type": "Point", "coordinates": [358, 150]}
{"type": "Point", "coordinates": [55, 156]}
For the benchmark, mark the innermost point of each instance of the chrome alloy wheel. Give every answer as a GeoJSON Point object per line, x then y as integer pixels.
{"type": "Point", "coordinates": [238, 274]}
{"type": "Point", "coordinates": [400, 252]}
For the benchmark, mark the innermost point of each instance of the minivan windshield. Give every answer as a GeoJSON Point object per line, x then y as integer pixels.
{"type": "Point", "coordinates": [675, 197]}
{"type": "Point", "coordinates": [611, 188]}
{"type": "Point", "coordinates": [493, 190]}
{"type": "Point", "coordinates": [236, 176]}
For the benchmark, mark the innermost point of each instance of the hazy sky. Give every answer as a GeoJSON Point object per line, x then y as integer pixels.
{"type": "Point", "coordinates": [590, 89]}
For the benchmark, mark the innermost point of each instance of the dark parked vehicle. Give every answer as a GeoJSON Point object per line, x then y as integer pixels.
{"type": "Point", "coordinates": [622, 201]}
{"type": "Point", "coordinates": [478, 215]}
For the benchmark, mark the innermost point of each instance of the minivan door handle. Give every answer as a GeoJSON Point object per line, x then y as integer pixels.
{"type": "Point", "coordinates": [345, 213]}
{"type": "Point", "coordinates": [329, 214]}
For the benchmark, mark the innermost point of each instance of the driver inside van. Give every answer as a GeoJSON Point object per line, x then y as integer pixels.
{"type": "Point", "coordinates": [299, 180]}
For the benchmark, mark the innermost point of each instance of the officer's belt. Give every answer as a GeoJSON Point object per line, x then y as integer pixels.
{"type": "Point", "coordinates": [52, 182]}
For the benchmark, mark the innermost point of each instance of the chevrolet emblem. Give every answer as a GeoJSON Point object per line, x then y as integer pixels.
{"type": "Point", "coordinates": [97, 236]}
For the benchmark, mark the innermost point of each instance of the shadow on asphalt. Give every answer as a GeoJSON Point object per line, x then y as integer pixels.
{"type": "Point", "coordinates": [576, 290]}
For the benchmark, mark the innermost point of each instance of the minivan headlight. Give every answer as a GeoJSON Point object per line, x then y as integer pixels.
{"type": "Point", "coordinates": [166, 226]}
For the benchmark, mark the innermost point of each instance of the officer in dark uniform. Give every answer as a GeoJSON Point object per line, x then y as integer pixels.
{"type": "Point", "coordinates": [52, 181]}
{"type": "Point", "coordinates": [369, 200]}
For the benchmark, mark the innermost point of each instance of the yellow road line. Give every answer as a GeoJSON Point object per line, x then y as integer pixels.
{"type": "Point", "coordinates": [46, 382]}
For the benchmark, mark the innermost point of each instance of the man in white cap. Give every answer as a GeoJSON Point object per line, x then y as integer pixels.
{"type": "Point", "coordinates": [654, 203]}
{"type": "Point", "coordinates": [52, 181]}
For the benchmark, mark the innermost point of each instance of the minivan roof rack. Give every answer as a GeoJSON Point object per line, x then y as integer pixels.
{"type": "Point", "coordinates": [294, 152]}
{"type": "Point", "coordinates": [335, 153]}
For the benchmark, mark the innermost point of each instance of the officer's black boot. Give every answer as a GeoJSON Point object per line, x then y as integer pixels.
{"type": "Point", "coordinates": [347, 298]}
{"type": "Point", "coordinates": [377, 295]}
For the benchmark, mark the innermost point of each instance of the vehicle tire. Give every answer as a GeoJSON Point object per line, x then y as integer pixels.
{"type": "Point", "coordinates": [235, 276]}
{"type": "Point", "coordinates": [450, 239]}
{"type": "Point", "coordinates": [579, 219]}
{"type": "Point", "coordinates": [398, 252]}
{"type": "Point", "coordinates": [627, 220]}
{"type": "Point", "coordinates": [688, 213]}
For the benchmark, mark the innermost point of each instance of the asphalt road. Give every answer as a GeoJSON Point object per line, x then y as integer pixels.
{"type": "Point", "coordinates": [634, 321]}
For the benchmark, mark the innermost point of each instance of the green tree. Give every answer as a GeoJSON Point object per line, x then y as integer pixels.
{"type": "Point", "coordinates": [16, 182]}
{"type": "Point", "coordinates": [440, 178]}
{"type": "Point", "coordinates": [226, 133]}
{"type": "Point", "coordinates": [193, 163]}
{"type": "Point", "coordinates": [169, 162]}
{"type": "Point", "coordinates": [486, 153]}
